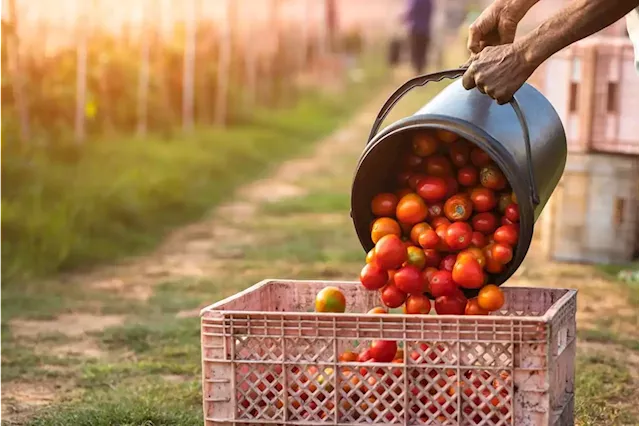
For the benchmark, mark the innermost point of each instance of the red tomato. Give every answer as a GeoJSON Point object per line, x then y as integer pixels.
{"type": "Point", "coordinates": [411, 209]}
{"type": "Point", "coordinates": [365, 355]}
{"type": "Point", "coordinates": [438, 165]}
{"type": "Point", "coordinates": [459, 153]}
{"type": "Point", "coordinates": [417, 304]}
{"type": "Point", "coordinates": [468, 273]}
{"type": "Point", "coordinates": [427, 274]}
{"type": "Point", "coordinates": [441, 230]}
{"type": "Point", "coordinates": [473, 308]}
{"type": "Point", "coordinates": [432, 188]}
{"type": "Point", "coordinates": [440, 220]}
{"type": "Point", "coordinates": [441, 284]}
{"type": "Point", "coordinates": [417, 230]}
{"type": "Point", "coordinates": [384, 204]}
{"type": "Point", "coordinates": [391, 252]}
{"type": "Point", "coordinates": [479, 158]}
{"type": "Point", "coordinates": [409, 280]}
{"type": "Point", "coordinates": [458, 208]}
{"type": "Point", "coordinates": [410, 161]}
{"type": "Point", "coordinates": [432, 257]}
{"type": "Point", "coordinates": [506, 234]}
{"type": "Point", "coordinates": [424, 144]}
{"type": "Point", "coordinates": [452, 186]}
{"type": "Point", "coordinates": [447, 262]}
{"type": "Point", "coordinates": [493, 266]}
{"type": "Point", "coordinates": [478, 239]}
{"type": "Point", "coordinates": [468, 176]}
{"type": "Point", "coordinates": [435, 210]}
{"type": "Point", "coordinates": [451, 305]}
{"type": "Point", "coordinates": [490, 298]}
{"type": "Point", "coordinates": [414, 178]}
{"type": "Point", "coordinates": [512, 213]}
{"type": "Point", "coordinates": [483, 199]}
{"type": "Point", "coordinates": [458, 235]}
{"type": "Point", "coordinates": [391, 296]}
{"type": "Point", "coordinates": [429, 239]}
{"type": "Point", "coordinates": [383, 350]}
{"type": "Point", "coordinates": [486, 222]}
{"type": "Point", "coordinates": [491, 177]}
{"type": "Point", "coordinates": [373, 277]}
{"type": "Point", "coordinates": [501, 253]}
{"type": "Point", "coordinates": [403, 178]}
{"type": "Point", "coordinates": [503, 201]}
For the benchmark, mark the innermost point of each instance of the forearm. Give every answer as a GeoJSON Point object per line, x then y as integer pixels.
{"type": "Point", "coordinates": [576, 21]}
{"type": "Point", "coordinates": [519, 8]}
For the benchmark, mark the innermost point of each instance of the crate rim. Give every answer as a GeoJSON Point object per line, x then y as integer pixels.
{"type": "Point", "coordinates": [221, 313]}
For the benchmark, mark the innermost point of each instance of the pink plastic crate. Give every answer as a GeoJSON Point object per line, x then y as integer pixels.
{"type": "Point", "coordinates": [267, 358]}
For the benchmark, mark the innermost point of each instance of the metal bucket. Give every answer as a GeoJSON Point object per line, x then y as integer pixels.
{"type": "Point", "coordinates": [526, 140]}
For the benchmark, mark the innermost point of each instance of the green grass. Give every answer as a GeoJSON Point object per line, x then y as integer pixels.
{"type": "Point", "coordinates": [606, 393]}
{"type": "Point", "coordinates": [121, 196]}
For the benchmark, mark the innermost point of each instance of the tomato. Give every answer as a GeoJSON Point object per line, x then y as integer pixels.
{"type": "Point", "coordinates": [410, 161]}
{"type": "Point", "coordinates": [483, 199]}
{"type": "Point", "coordinates": [427, 274]}
{"type": "Point", "coordinates": [468, 176]}
{"type": "Point", "coordinates": [446, 136]}
{"type": "Point", "coordinates": [371, 256]}
{"type": "Point", "coordinates": [384, 226]}
{"type": "Point", "coordinates": [459, 153]}
{"type": "Point", "coordinates": [458, 235]}
{"type": "Point", "coordinates": [348, 356]}
{"type": "Point", "coordinates": [409, 280]}
{"type": "Point", "coordinates": [373, 277]}
{"type": "Point", "coordinates": [384, 204]}
{"type": "Point", "coordinates": [490, 298]}
{"type": "Point", "coordinates": [414, 178]}
{"type": "Point", "coordinates": [330, 299]}
{"type": "Point", "coordinates": [441, 284]}
{"type": "Point", "coordinates": [486, 222]}
{"type": "Point", "coordinates": [452, 186]}
{"type": "Point", "coordinates": [473, 308]}
{"type": "Point", "coordinates": [493, 266]}
{"type": "Point", "coordinates": [383, 350]}
{"type": "Point", "coordinates": [479, 158]}
{"type": "Point", "coordinates": [477, 253]}
{"type": "Point", "coordinates": [378, 310]}
{"type": "Point", "coordinates": [417, 230]}
{"type": "Point", "coordinates": [505, 221]}
{"type": "Point", "coordinates": [440, 220]}
{"type": "Point", "coordinates": [432, 257]}
{"type": "Point", "coordinates": [451, 305]}
{"type": "Point", "coordinates": [403, 178]}
{"type": "Point", "coordinates": [391, 252]}
{"type": "Point", "coordinates": [504, 199]}
{"type": "Point", "coordinates": [491, 177]}
{"type": "Point", "coordinates": [424, 144]}
{"type": "Point", "coordinates": [478, 239]}
{"type": "Point", "coordinates": [411, 209]}
{"type": "Point", "coordinates": [365, 355]}
{"type": "Point", "coordinates": [506, 234]}
{"type": "Point", "coordinates": [441, 230]}
{"type": "Point", "coordinates": [391, 296]}
{"type": "Point", "coordinates": [435, 210]}
{"type": "Point", "coordinates": [438, 165]}
{"type": "Point", "coordinates": [458, 208]}
{"type": "Point", "coordinates": [417, 304]}
{"type": "Point", "coordinates": [512, 213]}
{"type": "Point", "coordinates": [432, 188]}
{"type": "Point", "coordinates": [501, 253]}
{"type": "Point", "coordinates": [467, 272]}
{"type": "Point", "coordinates": [416, 257]}
{"type": "Point", "coordinates": [429, 239]}
{"type": "Point", "coordinates": [447, 262]}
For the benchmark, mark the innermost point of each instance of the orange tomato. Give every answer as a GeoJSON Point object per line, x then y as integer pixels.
{"type": "Point", "coordinates": [424, 144]}
{"type": "Point", "coordinates": [446, 136]}
{"type": "Point", "coordinates": [384, 226]}
{"type": "Point", "coordinates": [371, 256]}
{"type": "Point", "coordinates": [330, 299]}
{"type": "Point", "coordinates": [378, 310]}
{"type": "Point", "coordinates": [417, 304]}
{"type": "Point", "coordinates": [348, 356]}
{"type": "Point", "coordinates": [473, 308]}
{"type": "Point", "coordinates": [490, 298]}
{"type": "Point", "coordinates": [411, 209]}
{"type": "Point", "coordinates": [417, 230]}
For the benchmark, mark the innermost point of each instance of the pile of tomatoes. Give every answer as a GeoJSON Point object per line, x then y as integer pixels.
{"type": "Point", "coordinates": [452, 222]}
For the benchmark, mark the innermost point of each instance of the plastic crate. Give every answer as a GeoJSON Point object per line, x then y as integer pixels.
{"type": "Point", "coordinates": [593, 85]}
{"type": "Point", "coordinates": [267, 360]}
{"type": "Point", "coordinates": [592, 216]}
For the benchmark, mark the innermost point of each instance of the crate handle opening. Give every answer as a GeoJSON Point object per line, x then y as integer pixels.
{"type": "Point", "coordinates": [573, 97]}
{"type": "Point", "coordinates": [618, 216]}
{"type": "Point", "coordinates": [612, 96]}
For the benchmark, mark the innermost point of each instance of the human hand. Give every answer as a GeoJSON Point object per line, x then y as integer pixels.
{"type": "Point", "coordinates": [498, 71]}
{"type": "Point", "coordinates": [497, 24]}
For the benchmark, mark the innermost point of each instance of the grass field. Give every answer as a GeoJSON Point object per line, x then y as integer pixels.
{"type": "Point", "coordinates": [120, 345]}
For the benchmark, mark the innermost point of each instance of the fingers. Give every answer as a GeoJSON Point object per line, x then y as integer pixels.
{"type": "Point", "coordinates": [475, 38]}
{"type": "Point", "coordinates": [468, 79]}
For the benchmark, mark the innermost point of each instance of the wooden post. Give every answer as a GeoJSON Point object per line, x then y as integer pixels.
{"type": "Point", "coordinates": [81, 70]}
{"type": "Point", "coordinates": [14, 68]}
{"type": "Point", "coordinates": [143, 74]}
{"type": "Point", "coordinates": [224, 63]}
{"type": "Point", "coordinates": [188, 77]}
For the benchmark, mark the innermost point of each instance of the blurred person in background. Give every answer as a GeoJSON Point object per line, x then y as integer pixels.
{"type": "Point", "coordinates": [418, 19]}
{"type": "Point", "coordinates": [499, 64]}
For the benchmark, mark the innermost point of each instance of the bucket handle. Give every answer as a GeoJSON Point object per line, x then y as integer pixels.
{"type": "Point", "coordinates": [452, 74]}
